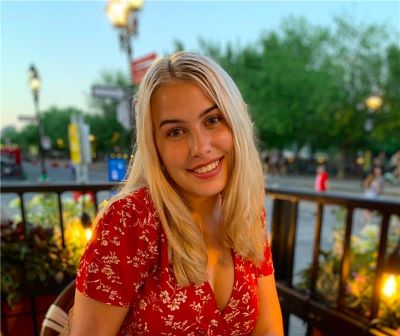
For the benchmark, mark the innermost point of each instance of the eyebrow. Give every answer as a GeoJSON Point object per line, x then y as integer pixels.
{"type": "Point", "coordinates": [175, 121]}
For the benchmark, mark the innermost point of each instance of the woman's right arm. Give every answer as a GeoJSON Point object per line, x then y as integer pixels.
{"type": "Point", "coordinates": [121, 254]}
{"type": "Point", "coordinates": [92, 317]}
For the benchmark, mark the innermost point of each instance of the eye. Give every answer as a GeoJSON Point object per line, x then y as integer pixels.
{"type": "Point", "coordinates": [212, 120]}
{"type": "Point", "coordinates": [174, 133]}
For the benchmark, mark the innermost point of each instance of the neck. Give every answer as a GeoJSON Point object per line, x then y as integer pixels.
{"type": "Point", "coordinates": [207, 214]}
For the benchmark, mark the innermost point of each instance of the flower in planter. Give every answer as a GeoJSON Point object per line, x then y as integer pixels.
{"type": "Point", "coordinates": [37, 259]}
{"type": "Point", "coordinates": [31, 260]}
{"type": "Point", "coordinates": [363, 257]}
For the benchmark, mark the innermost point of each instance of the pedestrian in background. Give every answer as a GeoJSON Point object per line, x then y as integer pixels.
{"type": "Point", "coordinates": [373, 183]}
{"type": "Point", "coordinates": [182, 249]}
{"type": "Point", "coordinates": [321, 179]}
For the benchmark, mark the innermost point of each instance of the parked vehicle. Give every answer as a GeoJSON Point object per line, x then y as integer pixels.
{"type": "Point", "coordinates": [11, 162]}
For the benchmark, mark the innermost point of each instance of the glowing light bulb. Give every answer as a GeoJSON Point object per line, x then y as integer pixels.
{"type": "Point", "coordinates": [88, 234]}
{"type": "Point", "coordinates": [389, 288]}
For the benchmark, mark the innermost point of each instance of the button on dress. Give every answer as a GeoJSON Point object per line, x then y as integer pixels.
{"type": "Point", "coordinates": [126, 264]}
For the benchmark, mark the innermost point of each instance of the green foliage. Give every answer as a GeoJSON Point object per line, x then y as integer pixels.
{"type": "Point", "coordinates": [37, 259]}
{"type": "Point", "coordinates": [104, 125]}
{"type": "Point", "coordinates": [304, 85]}
{"type": "Point", "coordinates": [117, 79]}
{"type": "Point", "coordinates": [363, 256]}
{"type": "Point", "coordinates": [31, 260]}
{"type": "Point", "coordinates": [58, 119]}
{"type": "Point", "coordinates": [109, 132]}
{"type": "Point", "coordinates": [9, 134]}
{"type": "Point", "coordinates": [307, 85]}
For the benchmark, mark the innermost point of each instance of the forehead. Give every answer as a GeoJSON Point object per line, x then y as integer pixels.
{"type": "Point", "coordinates": [177, 98]}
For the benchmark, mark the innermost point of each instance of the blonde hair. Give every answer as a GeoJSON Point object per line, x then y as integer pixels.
{"type": "Point", "coordinates": [243, 197]}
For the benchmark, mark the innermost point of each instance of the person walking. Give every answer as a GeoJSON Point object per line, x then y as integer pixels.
{"type": "Point", "coordinates": [321, 179]}
{"type": "Point", "coordinates": [373, 183]}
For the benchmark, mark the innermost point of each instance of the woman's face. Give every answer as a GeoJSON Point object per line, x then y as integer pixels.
{"type": "Point", "coordinates": [193, 140]}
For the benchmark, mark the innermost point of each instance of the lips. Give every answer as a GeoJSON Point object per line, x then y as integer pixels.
{"type": "Point", "coordinates": [207, 171]}
{"type": "Point", "coordinates": [205, 167]}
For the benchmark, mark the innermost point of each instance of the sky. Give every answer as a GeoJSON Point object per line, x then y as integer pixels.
{"type": "Point", "coordinates": [72, 42]}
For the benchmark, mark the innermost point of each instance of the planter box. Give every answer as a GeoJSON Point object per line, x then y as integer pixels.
{"type": "Point", "coordinates": [26, 317]}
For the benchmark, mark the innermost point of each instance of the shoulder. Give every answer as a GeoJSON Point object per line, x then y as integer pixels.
{"type": "Point", "coordinates": [122, 252]}
{"type": "Point", "coordinates": [132, 213]}
{"type": "Point", "coordinates": [136, 202]}
{"type": "Point", "coordinates": [136, 205]}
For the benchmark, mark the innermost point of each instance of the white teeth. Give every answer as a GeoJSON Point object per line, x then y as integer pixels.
{"type": "Point", "coordinates": [207, 168]}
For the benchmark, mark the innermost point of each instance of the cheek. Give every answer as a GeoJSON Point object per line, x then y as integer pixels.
{"type": "Point", "coordinates": [171, 155]}
{"type": "Point", "coordinates": [227, 146]}
{"type": "Point", "coordinates": [225, 141]}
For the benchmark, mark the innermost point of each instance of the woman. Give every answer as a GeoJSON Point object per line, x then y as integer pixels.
{"type": "Point", "coordinates": [182, 250]}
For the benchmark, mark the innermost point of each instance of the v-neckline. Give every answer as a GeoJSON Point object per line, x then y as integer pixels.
{"type": "Point", "coordinates": [214, 299]}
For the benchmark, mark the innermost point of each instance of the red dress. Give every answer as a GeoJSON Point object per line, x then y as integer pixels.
{"type": "Point", "coordinates": [126, 264]}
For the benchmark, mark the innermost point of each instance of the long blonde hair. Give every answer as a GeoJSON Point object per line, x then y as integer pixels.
{"type": "Point", "coordinates": [243, 197]}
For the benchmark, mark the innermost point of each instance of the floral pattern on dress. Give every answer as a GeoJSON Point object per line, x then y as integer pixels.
{"type": "Point", "coordinates": [126, 264]}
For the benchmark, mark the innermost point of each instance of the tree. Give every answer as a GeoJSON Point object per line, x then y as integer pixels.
{"type": "Point", "coordinates": [387, 123]}
{"type": "Point", "coordinates": [110, 78]}
{"type": "Point", "coordinates": [109, 133]}
{"type": "Point", "coordinates": [106, 115]}
{"type": "Point", "coordinates": [55, 123]}
{"type": "Point", "coordinates": [307, 85]}
{"type": "Point", "coordinates": [9, 134]}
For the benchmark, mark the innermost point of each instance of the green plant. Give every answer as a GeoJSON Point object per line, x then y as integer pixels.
{"type": "Point", "coordinates": [30, 260]}
{"type": "Point", "coordinates": [363, 256]}
{"type": "Point", "coordinates": [36, 258]}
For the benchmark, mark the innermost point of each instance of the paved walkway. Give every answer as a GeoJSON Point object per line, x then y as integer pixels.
{"type": "Point", "coordinates": [351, 186]}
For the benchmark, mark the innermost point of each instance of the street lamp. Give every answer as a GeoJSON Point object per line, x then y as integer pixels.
{"type": "Point", "coordinates": [123, 16]}
{"type": "Point", "coordinates": [34, 83]}
{"type": "Point", "coordinates": [373, 104]}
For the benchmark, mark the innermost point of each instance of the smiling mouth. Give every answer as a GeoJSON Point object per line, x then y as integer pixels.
{"type": "Point", "coordinates": [205, 169]}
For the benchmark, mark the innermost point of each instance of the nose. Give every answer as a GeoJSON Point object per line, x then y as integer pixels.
{"type": "Point", "coordinates": [200, 143]}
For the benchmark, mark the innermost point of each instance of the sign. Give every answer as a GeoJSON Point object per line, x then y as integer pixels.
{"type": "Point", "coordinates": [116, 169]}
{"type": "Point", "coordinates": [46, 142]}
{"type": "Point", "coordinates": [85, 143]}
{"type": "Point", "coordinates": [124, 114]}
{"type": "Point", "coordinates": [108, 91]}
{"type": "Point", "coordinates": [27, 118]}
{"type": "Point", "coordinates": [140, 65]}
{"type": "Point", "coordinates": [74, 143]}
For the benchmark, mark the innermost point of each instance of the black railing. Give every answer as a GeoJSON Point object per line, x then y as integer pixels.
{"type": "Point", "coordinates": [334, 319]}
{"type": "Point", "coordinates": [57, 189]}
{"type": "Point", "coordinates": [33, 310]}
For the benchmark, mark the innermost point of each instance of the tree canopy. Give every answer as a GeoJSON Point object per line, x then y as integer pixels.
{"type": "Point", "coordinates": [307, 85]}
{"type": "Point", "coordinates": [304, 85]}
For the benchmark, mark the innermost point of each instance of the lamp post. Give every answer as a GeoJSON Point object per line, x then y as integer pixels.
{"type": "Point", "coordinates": [123, 16]}
{"type": "Point", "coordinates": [34, 83]}
{"type": "Point", "coordinates": [373, 104]}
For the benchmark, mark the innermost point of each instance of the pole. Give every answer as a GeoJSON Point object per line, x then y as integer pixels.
{"type": "Point", "coordinates": [43, 175]}
{"type": "Point", "coordinates": [126, 40]}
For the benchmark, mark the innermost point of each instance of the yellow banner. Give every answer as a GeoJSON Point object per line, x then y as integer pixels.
{"type": "Point", "coordinates": [74, 143]}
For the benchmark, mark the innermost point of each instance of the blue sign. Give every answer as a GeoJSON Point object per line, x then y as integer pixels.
{"type": "Point", "coordinates": [116, 170]}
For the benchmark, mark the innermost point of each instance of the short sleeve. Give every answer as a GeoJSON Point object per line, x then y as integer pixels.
{"type": "Point", "coordinates": [121, 254]}
{"type": "Point", "coordinates": [266, 267]}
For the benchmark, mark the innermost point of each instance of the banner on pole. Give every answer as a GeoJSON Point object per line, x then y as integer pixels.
{"type": "Point", "coordinates": [74, 143]}
{"type": "Point", "coordinates": [140, 65]}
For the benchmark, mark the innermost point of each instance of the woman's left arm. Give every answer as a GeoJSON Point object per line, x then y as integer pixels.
{"type": "Point", "coordinates": [269, 321]}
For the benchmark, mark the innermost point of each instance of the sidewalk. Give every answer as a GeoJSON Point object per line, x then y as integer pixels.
{"type": "Point", "coordinates": [351, 186]}
{"type": "Point", "coordinates": [348, 185]}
